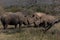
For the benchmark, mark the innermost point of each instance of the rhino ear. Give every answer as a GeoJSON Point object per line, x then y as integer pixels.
{"type": "Point", "coordinates": [33, 15]}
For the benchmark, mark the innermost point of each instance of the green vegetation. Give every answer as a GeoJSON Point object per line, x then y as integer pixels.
{"type": "Point", "coordinates": [49, 9]}
{"type": "Point", "coordinates": [30, 33]}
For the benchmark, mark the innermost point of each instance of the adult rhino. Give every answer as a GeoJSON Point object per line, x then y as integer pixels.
{"type": "Point", "coordinates": [10, 18]}
{"type": "Point", "coordinates": [45, 21]}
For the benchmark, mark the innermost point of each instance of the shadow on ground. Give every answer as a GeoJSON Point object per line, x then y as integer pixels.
{"type": "Point", "coordinates": [10, 30]}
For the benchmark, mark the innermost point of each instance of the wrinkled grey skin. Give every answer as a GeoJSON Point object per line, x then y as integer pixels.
{"type": "Point", "coordinates": [46, 21]}
{"type": "Point", "coordinates": [31, 20]}
{"type": "Point", "coordinates": [12, 19]}
{"type": "Point", "coordinates": [46, 24]}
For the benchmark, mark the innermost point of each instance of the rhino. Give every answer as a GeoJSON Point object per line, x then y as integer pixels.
{"type": "Point", "coordinates": [12, 19]}
{"type": "Point", "coordinates": [46, 21]}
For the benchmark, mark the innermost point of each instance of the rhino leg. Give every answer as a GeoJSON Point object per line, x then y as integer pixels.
{"type": "Point", "coordinates": [46, 24]}
{"type": "Point", "coordinates": [15, 25]}
{"type": "Point", "coordinates": [49, 25]}
{"type": "Point", "coordinates": [19, 25]}
{"type": "Point", "coordinates": [5, 26]}
{"type": "Point", "coordinates": [35, 25]}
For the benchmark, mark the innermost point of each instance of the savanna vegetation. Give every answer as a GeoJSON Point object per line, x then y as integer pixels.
{"type": "Point", "coordinates": [30, 33]}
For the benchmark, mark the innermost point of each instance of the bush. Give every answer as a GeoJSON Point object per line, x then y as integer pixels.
{"type": "Point", "coordinates": [33, 8]}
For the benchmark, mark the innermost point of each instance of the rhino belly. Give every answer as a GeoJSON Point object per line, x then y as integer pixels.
{"type": "Point", "coordinates": [13, 22]}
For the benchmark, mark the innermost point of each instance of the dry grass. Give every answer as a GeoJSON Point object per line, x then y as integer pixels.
{"type": "Point", "coordinates": [30, 33]}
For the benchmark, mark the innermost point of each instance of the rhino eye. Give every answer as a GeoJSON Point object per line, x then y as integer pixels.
{"type": "Point", "coordinates": [25, 16]}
